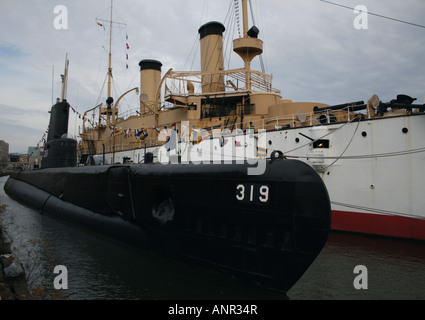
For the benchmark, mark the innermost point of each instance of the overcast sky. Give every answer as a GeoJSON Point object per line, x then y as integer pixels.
{"type": "Point", "coordinates": [312, 49]}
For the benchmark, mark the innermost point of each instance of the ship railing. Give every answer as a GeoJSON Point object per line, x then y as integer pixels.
{"type": "Point", "coordinates": [308, 119]}
{"type": "Point", "coordinates": [122, 116]}
{"type": "Point", "coordinates": [129, 113]}
{"type": "Point", "coordinates": [126, 146]}
{"type": "Point", "coordinates": [6, 167]}
{"type": "Point", "coordinates": [327, 115]}
{"type": "Point", "coordinates": [317, 117]}
{"type": "Point", "coordinates": [271, 123]}
{"type": "Point", "coordinates": [232, 80]}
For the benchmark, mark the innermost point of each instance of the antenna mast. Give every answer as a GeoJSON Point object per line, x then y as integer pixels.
{"type": "Point", "coordinates": [65, 79]}
{"type": "Point", "coordinates": [110, 54]}
{"type": "Point", "coordinates": [111, 22]}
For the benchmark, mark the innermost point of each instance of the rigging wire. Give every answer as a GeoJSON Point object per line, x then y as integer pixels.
{"type": "Point", "coordinates": [204, 9]}
{"type": "Point", "coordinates": [356, 157]}
{"type": "Point", "coordinates": [230, 27]}
{"type": "Point", "coordinates": [192, 54]}
{"type": "Point", "coordinates": [377, 15]}
{"type": "Point", "coordinates": [99, 98]}
{"type": "Point", "coordinates": [327, 134]}
{"type": "Point", "coordinates": [264, 27]}
{"type": "Point", "coordinates": [122, 51]}
{"type": "Point", "coordinates": [102, 36]}
{"type": "Point", "coordinates": [195, 50]}
{"type": "Point", "coordinates": [349, 143]}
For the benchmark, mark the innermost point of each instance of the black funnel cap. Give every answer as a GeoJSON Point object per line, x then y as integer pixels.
{"type": "Point", "coordinates": [149, 64]}
{"type": "Point", "coordinates": [210, 28]}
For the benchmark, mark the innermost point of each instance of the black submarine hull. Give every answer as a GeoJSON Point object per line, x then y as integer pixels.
{"type": "Point", "coordinates": [267, 228]}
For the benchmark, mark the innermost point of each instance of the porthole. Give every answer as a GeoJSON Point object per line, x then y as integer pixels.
{"type": "Point", "coordinates": [364, 134]}
{"type": "Point", "coordinates": [405, 130]}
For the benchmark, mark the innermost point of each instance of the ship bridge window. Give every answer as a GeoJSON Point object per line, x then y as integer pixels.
{"type": "Point", "coordinates": [321, 144]}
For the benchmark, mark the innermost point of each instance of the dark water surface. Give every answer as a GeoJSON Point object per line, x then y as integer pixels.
{"type": "Point", "coordinates": [100, 268]}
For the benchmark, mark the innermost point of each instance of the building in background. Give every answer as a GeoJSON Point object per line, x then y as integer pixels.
{"type": "Point", "coordinates": [4, 154]}
{"type": "Point", "coordinates": [33, 158]}
{"type": "Point", "coordinates": [34, 152]}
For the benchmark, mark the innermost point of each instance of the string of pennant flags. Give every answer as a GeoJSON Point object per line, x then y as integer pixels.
{"type": "Point", "coordinates": [126, 45]}
{"type": "Point", "coordinates": [197, 135]}
{"type": "Point", "coordinates": [43, 140]}
{"type": "Point", "coordinates": [141, 133]}
{"type": "Point", "coordinates": [127, 48]}
{"type": "Point", "coordinates": [81, 116]}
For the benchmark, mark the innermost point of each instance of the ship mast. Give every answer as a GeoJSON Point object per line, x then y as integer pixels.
{"type": "Point", "coordinates": [111, 23]}
{"type": "Point", "coordinates": [110, 54]}
{"type": "Point", "coordinates": [249, 46]}
{"type": "Point", "coordinates": [245, 17]}
{"type": "Point", "coordinates": [108, 111]}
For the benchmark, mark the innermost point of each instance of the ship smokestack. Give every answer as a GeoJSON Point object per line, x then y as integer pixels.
{"type": "Point", "coordinates": [211, 35]}
{"type": "Point", "coordinates": [150, 78]}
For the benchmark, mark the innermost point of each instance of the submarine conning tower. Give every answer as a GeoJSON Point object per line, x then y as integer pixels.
{"type": "Point", "coordinates": [212, 61]}
{"type": "Point", "coordinates": [150, 78]}
{"type": "Point", "coordinates": [59, 151]}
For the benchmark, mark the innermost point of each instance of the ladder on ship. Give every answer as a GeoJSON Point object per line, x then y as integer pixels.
{"type": "Point", "coordinates": [91, 147]}
{"type": "Point", "coordinates": [227, 125]}
{"type": "Point", "coordinates": [91, 151]}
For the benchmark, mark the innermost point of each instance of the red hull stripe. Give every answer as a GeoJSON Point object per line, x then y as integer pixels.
{"type": "Point", "coordinates": [383, 225]}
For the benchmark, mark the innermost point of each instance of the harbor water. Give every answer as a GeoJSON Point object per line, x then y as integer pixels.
{"type": "Point", "coordinates": [350, 266]}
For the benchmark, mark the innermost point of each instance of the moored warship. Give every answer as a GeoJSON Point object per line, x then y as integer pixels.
{"type": "Point", "coordinates": [368, 152]}
{"type": "Point", "coordinates": [264, 219]}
